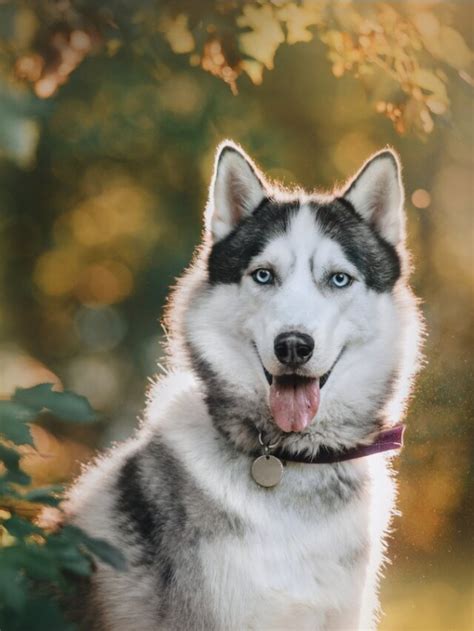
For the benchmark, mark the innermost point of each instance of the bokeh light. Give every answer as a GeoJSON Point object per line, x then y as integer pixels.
{"type": "Point", "coordinates": [100, 328]}
{"type": "Point", "coordinates": [421, 198]}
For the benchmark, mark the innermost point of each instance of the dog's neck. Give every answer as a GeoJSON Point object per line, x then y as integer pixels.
{"type": "Point", "coordinates": [241, 421]}
{"type": "Point", "coordinates": [238, 421]}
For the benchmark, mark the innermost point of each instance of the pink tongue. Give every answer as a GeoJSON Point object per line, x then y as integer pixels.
{"type": "Point", "coordinates": [294, 405]}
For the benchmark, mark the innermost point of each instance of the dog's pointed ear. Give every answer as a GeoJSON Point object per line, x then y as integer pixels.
{"type": "Point", "coordinates": [376, 193]}
{"type": "Point", "coordinates": [237, 188]}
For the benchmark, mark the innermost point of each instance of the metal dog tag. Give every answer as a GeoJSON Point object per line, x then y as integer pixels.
{"type": "Point", "coordinates": [267, 471]}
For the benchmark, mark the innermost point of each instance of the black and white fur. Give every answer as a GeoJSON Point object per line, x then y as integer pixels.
{"type": "Point", "coordinates": [207, 548]}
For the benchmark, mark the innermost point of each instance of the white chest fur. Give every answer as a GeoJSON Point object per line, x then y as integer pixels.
{"type": "Point", "coordinates": [304, 557]}
{"type": "Point", "coordinates": [291, 569]}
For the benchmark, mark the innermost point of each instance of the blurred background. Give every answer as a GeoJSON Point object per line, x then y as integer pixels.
{"type": "Point", "coordinates": [110, 113]}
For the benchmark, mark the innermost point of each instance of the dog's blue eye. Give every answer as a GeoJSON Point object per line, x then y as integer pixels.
{"type": "Point", "coordinates": [340, 280]}
{"type": "Point", "coordinates": [263, 276]}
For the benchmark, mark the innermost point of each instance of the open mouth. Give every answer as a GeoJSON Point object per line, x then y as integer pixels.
{"type": "Point", "coordinates": [269, 377]}
{"type": "Point", "coordinates": [294, 399]}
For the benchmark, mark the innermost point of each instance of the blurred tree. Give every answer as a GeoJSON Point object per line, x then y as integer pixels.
{"type": "Point", "coordinates": [404, 53]}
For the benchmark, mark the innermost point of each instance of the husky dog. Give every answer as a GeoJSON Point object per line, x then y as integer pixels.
{"type": "Point", "coordinates": [293, 339]}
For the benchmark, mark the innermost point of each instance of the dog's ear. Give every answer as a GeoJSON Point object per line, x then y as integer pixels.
{"type": "Point", "coordinates": [376, 193]}
{"type": "Point", "coordinates": [237, 188]}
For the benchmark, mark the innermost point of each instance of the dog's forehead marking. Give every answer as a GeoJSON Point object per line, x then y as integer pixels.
{"type": "Point", "coordinates": [329, 255]}
{"type": "Point", "coordinates": [298, 227]}
{"type": "Point", "coordinates": [296, 243]}
{"type": "Point", "coordinates": [304, 245]}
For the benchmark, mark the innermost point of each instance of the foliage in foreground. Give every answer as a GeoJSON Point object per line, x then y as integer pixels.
{"type": "Point", "coordinates": [40, 560]}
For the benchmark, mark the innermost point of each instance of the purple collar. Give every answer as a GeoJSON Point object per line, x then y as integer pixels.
{"type": "Point", "coordinates": [387, 440]}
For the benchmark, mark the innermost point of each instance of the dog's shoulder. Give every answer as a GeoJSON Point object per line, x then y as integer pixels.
{"type": "Point", "coordinates": [172, 400]}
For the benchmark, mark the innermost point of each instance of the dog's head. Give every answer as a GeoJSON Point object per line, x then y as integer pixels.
{"type": "Point", "coordinates": [298, 316]}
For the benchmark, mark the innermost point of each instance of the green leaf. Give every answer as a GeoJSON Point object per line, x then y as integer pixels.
{"type": "Point", "coordinates": [19, 527]}
{"type": "Point", "coordinates": [9, 410]}
{"type": "Point", "coordinates": [13, 419]}
{"type": "Point", "coordinates": [49, 495]}
{"type": "Point", "coordinates": [66, 405]}
{"type": "Point", "coordinates": [15, 477]}
{"type": "Point", "coordinates": [106, 553]}
{"type": "Point", "coordinates": [45, 495]}
{"type": "Point", "coordinates": [34, 397]}
{"type": "Point", "coordinates": [33, 560]}
{"type": "Point", "coordinates": [67, 555]}
{"type": "Point", "coordinates": [40, 614]}
{"type": "Point", "coordinates": [102, 549]}
{"type": "Point", "coordinates": [80, 565]}
{"type": "Point", "coordinates": [9, 457]}
{"type": "Point", "coordinates": [13, 588]}
{"type": "Point", "coordinates": [11, 460]}
{"type": "Point", "coordinates": [7, 489]}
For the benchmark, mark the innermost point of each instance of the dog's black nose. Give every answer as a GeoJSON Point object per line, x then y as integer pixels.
{"type": "Point", "coordinates": [293, 348]}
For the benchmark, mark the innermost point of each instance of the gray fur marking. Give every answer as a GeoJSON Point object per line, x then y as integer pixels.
{"type": "Point", "coordinates": [166, 516]}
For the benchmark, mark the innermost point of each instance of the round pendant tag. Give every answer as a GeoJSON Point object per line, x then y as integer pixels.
{"type": "Point", "coordinates": [267, 471]}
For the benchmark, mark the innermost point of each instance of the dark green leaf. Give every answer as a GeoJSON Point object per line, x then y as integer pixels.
{"type": "Point", "coordinates": [13, 588]}
{"type": "Point", "coordinates": [9, 457]}
{"type": "Point", "coordinates": [45, 495]}
{"type": "Point", "coordinates": [99, 547]}
{"type": "Point", "coordinates": [19, 527]}
{"type": "Point", "coordinates": [65, 405]}
{"type": "Point", "coordinates": [81, 565]}
{"type": "Point", "coordinates": [15, 477]}
{"type": "Point", "coordinates": [9, 410]}
{"type": "Point", "coordinates": [106, 553]}
{"type": "Point", "coordinates": [34, 397]}
{"type": "Point", "coordinates": [11, 460]}
{"type": "Point", "coordinates": [7, 489]}
{"type": "Point", "coordinates": [40, 614]}
{"type": "Point", "coordinates": [65, 553]}
{"type": "Point", "coordinates": [33, 560]}
{"type": "Point", "coordinates": [13, 419]}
